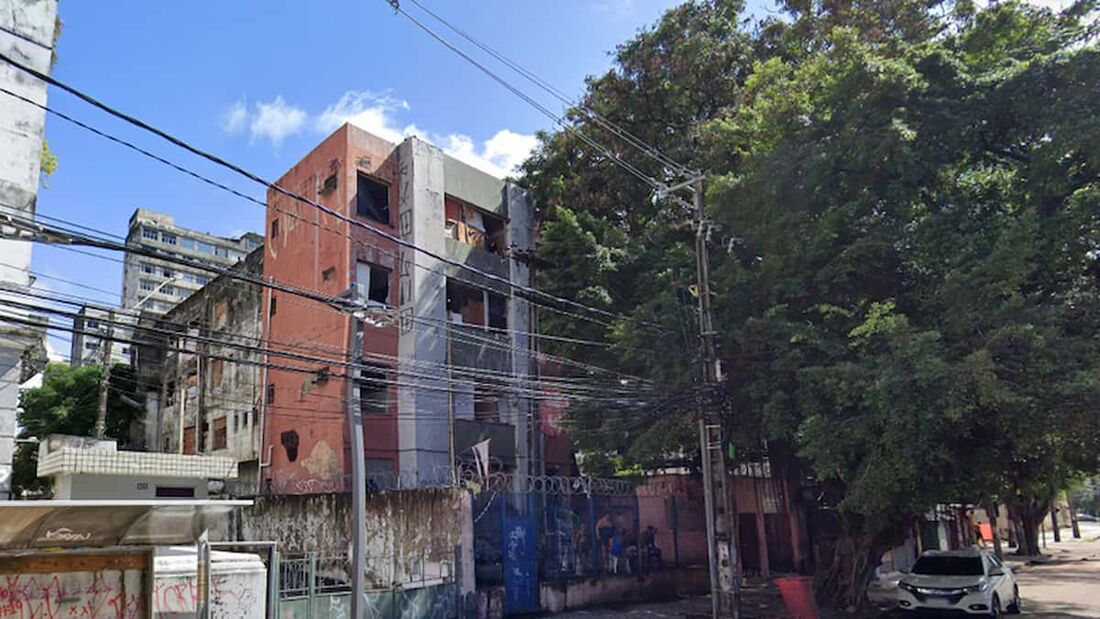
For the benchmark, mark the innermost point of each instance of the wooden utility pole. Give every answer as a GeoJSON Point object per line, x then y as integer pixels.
{"type": "Point", "coordinates": [104, 377]}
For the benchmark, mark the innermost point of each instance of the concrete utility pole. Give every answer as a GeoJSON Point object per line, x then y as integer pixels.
{"type": "Point", "coordinates": [104, 378]}
{"type": "Point", "coordinates": [358, 455]}
{"type": "Point", "coordinates": [725, 586]}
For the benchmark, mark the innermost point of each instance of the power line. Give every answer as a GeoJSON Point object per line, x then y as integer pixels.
{"type": "Point", "coordinates": [501, 382]}
{"type": "Point", "coordinates": [650, 151]}
{"type": "Point", "coordinates": [530, 101]}
{"type": "Point", "coordinates": [275, 187]}
{"type": "Point", "coordinates": [248, 198]}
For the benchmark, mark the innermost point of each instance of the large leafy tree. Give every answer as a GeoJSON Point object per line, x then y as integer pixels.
{"type": "Point", "coordinates": [906, 256]}
{"type": "Point", "coordinates": [66, 404]}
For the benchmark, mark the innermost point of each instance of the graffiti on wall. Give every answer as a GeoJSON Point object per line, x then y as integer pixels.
{"type": "Point", "coordinates": [74, 594]}
{"type": "Point", "coordinates": [119, 595]}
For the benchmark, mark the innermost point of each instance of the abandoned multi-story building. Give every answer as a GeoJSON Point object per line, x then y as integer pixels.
{"type": "Point", "coordinates": [203, 367]}
{"type": "Point", "coordinates": [154, 285]}
{"type": "Point", "coordinates": [450, 345]}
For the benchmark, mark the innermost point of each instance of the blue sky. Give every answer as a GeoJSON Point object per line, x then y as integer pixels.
{"type": "Point", "coordinates": [262, 83]}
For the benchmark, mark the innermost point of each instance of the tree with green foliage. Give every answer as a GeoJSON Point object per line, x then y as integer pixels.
{"type": "Point", "coordinates": [66, 404]}
{"type": "Point", "coordinates": [906, 259]}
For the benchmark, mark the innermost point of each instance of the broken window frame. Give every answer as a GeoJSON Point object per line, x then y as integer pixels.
{"type": "Point", "coordinates": [474, 226]}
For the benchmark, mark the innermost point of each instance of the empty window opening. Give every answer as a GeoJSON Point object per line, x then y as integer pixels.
{"type": "Point", "coordinates": [328, 274]}
{"type": "Point", "coordinates": [470, 225]}
{"type": "Point", "coordinates": [485, 404]}
{"type": "Point", "coordinates": [271, 393]}
{"type": "Point", "coordinates": [374, 390]}
{"type": "Point", "coordinates": [373, 282]}
{"type": "Point", "coordinates": [329, 185]}
{"type": "Point", "coordinates": [372, 199]}
{"type": "Point", "coordinates": [465, 304]}
{"type": "Point", "coordinates": [274, 228]}
{"type": "Point", "coordinates": [497, 310]}
{"type": "Point", "coordinates": [274, 306]}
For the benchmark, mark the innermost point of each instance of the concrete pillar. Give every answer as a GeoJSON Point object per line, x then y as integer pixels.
{"type": "Point", "coordinates": [422, 431]}
{"type": "Point", "coordinates": [521, 235]}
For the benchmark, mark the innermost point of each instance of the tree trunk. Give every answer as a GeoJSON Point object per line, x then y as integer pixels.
{"type": "Point", "coordinates": [1054, 523]}
{"type": "Point", "coordinates": [845, 572]}
{"type": "Point", "coordinates": [1076, 528]}
{"type": "Point", "coordinates": [1029, 531]}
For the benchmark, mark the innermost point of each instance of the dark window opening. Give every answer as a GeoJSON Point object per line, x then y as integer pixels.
{"type": "Point", "coordinates": [275, 228]}
{"type": "Point", "coordinates": [173, 492]}
{"type": "Point", "coordinates": [271, 393]}
{"type": "Point", "coordinates": [289, 440]}
{"type": "Point", "coordinates": [328, 274]}
{"type": "Point", "coordinates": [374, 391]}
{"type": "Point", "coordinates": [373, 282]}
{"type": "Point", "coordinates": [329, 185]}
{"type": "Point", "coordinates": [372, 200]}
{"type": "Point", "coordinates": [465, 304]}
{"type": "Point", "coordinates": [379, 285]}
{"type": "Point", "coordinates": [485, 404]}
{"type": "Point", "coordinates": [498, 311]}
{"type": "Point", "coordinates": [274, 307]}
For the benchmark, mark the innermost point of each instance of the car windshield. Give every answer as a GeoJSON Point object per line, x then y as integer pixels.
{"type": "Point", "coordinates": [948, 566]}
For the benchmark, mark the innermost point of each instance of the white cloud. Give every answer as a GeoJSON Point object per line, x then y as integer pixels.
{"type": "Point", "coordinates": [499, 155]}
{"type": "Point", "coordinates": [378, 113]}
{"type": "Point", "coordinates": [275, 121]}
{"type": "Point", "coordinates": [509, 149]}
{"type": "Point", "coordinates": [235, 117]}
{"type": "Point", "coordinates": [367, 110]}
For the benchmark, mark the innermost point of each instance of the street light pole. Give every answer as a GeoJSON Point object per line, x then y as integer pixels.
{"type": "Point", "coordinates": [105, 375]}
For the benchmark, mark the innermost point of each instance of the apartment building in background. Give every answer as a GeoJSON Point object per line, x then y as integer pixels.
{"type": "Point", "coordinates": [90, 329]}
{"type": "Point", "coordinates": [429, 315]}
{"type": "Point", "coordinates": [154, 285]}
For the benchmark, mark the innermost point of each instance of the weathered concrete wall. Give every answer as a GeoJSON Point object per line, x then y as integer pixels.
{"type": "Point", "coordinates": [555, 597]}
{"type": "Point", "coordinates": [409, 532]}
{"type": "Point", "coordinates": [21, 131]}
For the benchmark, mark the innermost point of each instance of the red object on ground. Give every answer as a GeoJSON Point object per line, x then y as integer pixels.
{"type": "Point", "coordinates": [798, 596]}
{"type": "Point", "coordinates": [987, 531]}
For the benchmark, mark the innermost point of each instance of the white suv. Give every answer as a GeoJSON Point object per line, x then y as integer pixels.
{"type": "Point", "coordinates": [971, 581]}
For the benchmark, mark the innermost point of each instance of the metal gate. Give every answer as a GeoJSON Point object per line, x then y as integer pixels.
{"type": "Point", "coordinates": [521, 583]}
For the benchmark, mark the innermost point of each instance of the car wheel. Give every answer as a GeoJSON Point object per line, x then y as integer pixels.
{"type": "Point", "coordinates": [1014, 607]}
{"type": "Point", "coordinates": [995, 607]}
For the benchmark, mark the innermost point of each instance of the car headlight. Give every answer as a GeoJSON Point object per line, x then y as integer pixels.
{"type": "Point", "coordinates": [908, 587]}
{"type": "Point", "coordinates": [978, 588]}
